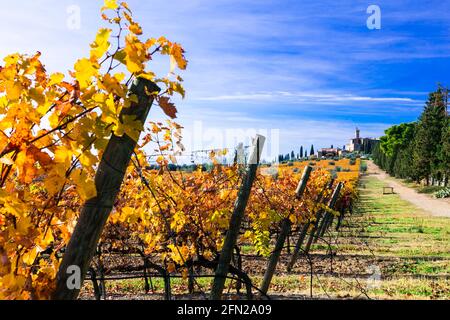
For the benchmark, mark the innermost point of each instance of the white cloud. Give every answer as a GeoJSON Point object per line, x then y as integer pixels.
{"type": "Point", "coordinates": [307, 97]}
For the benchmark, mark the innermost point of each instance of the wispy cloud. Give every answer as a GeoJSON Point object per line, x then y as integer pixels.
{"type": "Point", "coordinates": [308, 97]}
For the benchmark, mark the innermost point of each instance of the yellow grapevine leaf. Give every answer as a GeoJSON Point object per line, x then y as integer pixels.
{"type": "Point", "coordinates": [63, 155]}
{"type": "Point", "coordinates": [11, 59]}
{"type": "Point", "coordinates": [85, 185]}
{"type": "Point", "coordinates": [112, 84]}
{"type": "Point", "coordinates": [101, 43]}
{"type": "Point", "coordinates": [135, 28]}
{"type": "Point", "coordinates": [177, 52]}
{"type": "Point", "coordinates": [48, 239]}
{"type": "Point", "coordinates": [132, 127]}
{"type": "Point", "coordinates": [147, 75]}
{"type": "Point", "coordinates": [55, 78]}
{"type": "Point", "coordinates": [125, 5]}
{"type": "Point", "coordinates": [13, 90]}
{"type": "Point", "coordinates": [29, 257]}
{"type": "Point", "coordinates": [37, 95]}
{"type": "Point", "coordinates": [135, 54]}
{"type": "Point", "coordinates": [85, 70]}
{"type": "Point", "coordinates": [110, 4]}
{"type": "Point", "coordinates": [120, 56]}
{"type": "Point", "coordinates": [119, 76]}
{"type": "Point", "coordinates": [54, 182]}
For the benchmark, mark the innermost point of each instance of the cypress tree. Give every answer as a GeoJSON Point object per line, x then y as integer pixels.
{"type": "Point", "coordinates": [426, 160]}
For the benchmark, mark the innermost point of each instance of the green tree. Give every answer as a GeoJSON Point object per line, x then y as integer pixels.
{"type": "Point", "coordinates": [445, 151]}
{"type": "Point", "coordinates": [396, 141]}
{"type": "Point", "coordinates": [426, 160]}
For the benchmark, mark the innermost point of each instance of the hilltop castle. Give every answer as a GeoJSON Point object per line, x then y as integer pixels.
{"type": "Point", "coordinates": [358, 144]}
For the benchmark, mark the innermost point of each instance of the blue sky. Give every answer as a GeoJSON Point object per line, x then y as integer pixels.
{"type": "Point", "coordinates": [311, 69]}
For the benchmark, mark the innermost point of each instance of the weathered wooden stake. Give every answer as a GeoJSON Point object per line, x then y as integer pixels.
{"type": "Point", "coordinates": [303, 181]}
{"type": "Point", "coordinates": [322, 226]}
{"type": "Point", "coordinates": [270, 270]}
{"type": "Point", "coordinates": [191, 281]}
{"type": "Point", "coordinates": [315, 235]}
{"type": "Point", "coordinates": [284, 232]}
{"type": "Point", "coordinates": [304, 232]}
{"type": "Point", "coordinates": [330, 216]}
{"type": "Point", "coordinates": [298, 245]}
{"type": "Point", "coordinates": [322, 216]}
{"type": "Point", "coordinates": [340, 219]}
{"type": "Point", "coordinates": [236, 218]}
{"type": "Point", "coordinates": [328, 224]}
{"type": "Point", "coordinates": [95, 211]}
{"type": "Point", "coordinates": [313, 231]}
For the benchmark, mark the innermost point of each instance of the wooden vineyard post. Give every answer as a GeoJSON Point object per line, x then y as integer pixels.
{"type": "Point", "coordinates": [316, 233]}
{"type": "Point", "coordinates": [303, 181]}
{"type": "Point", "coordinates": [329, 216]}
{"type": "Point", "coordinates": [298, 245]}
{"type": "Point", "coordinates": [236, 218]}
{"type": "Point", "coordinates": [95, 211]}
{"type": "Point", "coordinates": [270, 270]}
{"type": "Point", "coordinates": [313, 232]}
{"type": "Point", "coordinates": [330, 221]}
{"type": "Point", "coordinates": [304, 232]}
{"type": "Point", "coordinates": [341, 217]}
{"type": "Point", "coordinates": [321, 227]}
{"type": "Point", "coordinates": [284, 232]}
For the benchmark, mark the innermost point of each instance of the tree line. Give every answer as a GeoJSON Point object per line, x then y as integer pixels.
{"type": "Point", "coordinates": [420, 150]}
{"type": "Point", "coordinates": [292, 156]}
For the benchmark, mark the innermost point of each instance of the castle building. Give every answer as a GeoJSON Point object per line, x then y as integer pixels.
{"type": "Point", "coordinates": [358, 144]}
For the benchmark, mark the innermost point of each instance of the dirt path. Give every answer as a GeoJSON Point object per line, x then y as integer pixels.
{"type": "Point", "coordinates": [436, 207]}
